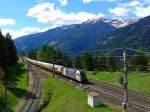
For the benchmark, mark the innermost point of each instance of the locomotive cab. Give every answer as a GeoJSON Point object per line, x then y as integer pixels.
{"type": "Point", "coordinates": [81, 76]}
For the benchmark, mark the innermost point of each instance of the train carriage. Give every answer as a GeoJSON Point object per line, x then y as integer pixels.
{"type": "Point", "coordinates": [78, 75]}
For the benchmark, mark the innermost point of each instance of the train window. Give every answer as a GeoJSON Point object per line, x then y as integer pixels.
{"type": "Point", "coordinates": [83, 75]}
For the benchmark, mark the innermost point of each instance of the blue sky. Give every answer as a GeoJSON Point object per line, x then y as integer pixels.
{"type": "Point", "coordinates": [22, 17]}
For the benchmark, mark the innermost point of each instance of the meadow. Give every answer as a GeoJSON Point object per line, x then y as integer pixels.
{"type": "Point", "coordinates": [138, 81]}
{"type": "Point", "coordinates": [63, 97]}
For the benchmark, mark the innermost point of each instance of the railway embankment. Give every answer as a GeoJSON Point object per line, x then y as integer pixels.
{"type": "Point", "coordinates": [61, 96]}
{"type": "Point", "coordinates": [113, 94]}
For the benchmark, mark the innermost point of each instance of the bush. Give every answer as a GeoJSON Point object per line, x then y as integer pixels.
{"type": "Point", "coordinates": [95, 71]}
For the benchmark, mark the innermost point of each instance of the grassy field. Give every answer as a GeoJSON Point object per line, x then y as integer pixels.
{"type": "Point", "coordinates": [63, 97]}
{"type": "Point", "coordinates": [138, 81]}
{"type": "Point", "coordinates": [18, 78]}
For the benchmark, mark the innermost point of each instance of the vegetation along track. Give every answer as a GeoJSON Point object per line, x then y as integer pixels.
{"type": "Point", "coordinates": [32, 100]}
{"type": "Point", "coordinates": [138, 101]}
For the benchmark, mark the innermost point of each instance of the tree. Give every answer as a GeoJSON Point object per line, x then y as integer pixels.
{"type": "Point", "coordinates": [100, 62]}
{"type": "Point", "coordinates": [32, 54]}
{"type": "Point", "coordinates": [87, 62]}
{"type": "Point", "coordinates": [111, 63]}
{"type": "Point", "coordinates": [67, 60]}
{"type": "Point", "coordinates": [139, 61]}
{"type": "Point", "coordinates": [3, 57]}
{"type": "Point", "coordinates": [11, 50]}
{"type": "Point", "coordinates": [49, 54]}
{"type": "Point", "coordinates": [8, 51]}
{"type": "Point", "coordinates": [77, 62]}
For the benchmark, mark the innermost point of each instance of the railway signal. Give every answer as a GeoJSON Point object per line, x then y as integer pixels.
{"type": "Point", "coordinates": [121, 80]}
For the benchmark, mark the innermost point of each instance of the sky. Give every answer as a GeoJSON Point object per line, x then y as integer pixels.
{"type": "Point", "coordinates": [22, 17]}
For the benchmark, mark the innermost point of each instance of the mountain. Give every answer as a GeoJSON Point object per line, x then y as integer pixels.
{"type": "Point", "coordinates": [136, 35]}
{"type": "Point", "coordinates": [118, 23]}
{"type": "Point", "coordinates": [71, 39]}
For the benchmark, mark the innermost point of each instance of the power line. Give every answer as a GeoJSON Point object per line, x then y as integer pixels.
{"type": "Point", "coordinates": [138, 55]}
{"type": "Point", "coordinates": [138, 51]}
{"type": "Point", "coordinates": [105, 56]}
{"type": "Point", "coordinates": [104, 50]}
{"type": "Point", "coordinates": [137, 67]}
{"type": "Point", "coordinates": [139, 43]}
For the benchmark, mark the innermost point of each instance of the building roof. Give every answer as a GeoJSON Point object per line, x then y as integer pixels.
{"type": "Point", "coordinates": [93, 94]}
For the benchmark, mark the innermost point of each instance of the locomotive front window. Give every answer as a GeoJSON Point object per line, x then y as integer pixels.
{"type": "Point", "coordinates": [83, 75]}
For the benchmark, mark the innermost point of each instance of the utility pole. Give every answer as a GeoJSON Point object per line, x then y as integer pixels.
{"type": "Point", "coordinates": [125, 82]}
{"type": "Point", "coordinates": [53, 65]}
{"type": "Point", "coordinates": [73, 66]}
{"type": "Point", "coordinates": [66, 63]}
{"type": "Point", "coordinates": [28, 73]}
{"type": "Point", "coordinates": [5, 94]}
{"type": "Point", "coordinates": [3, 77]}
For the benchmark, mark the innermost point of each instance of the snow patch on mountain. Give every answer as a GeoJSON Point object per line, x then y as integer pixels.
{"type": "Point", "coordinates": [118, 23]}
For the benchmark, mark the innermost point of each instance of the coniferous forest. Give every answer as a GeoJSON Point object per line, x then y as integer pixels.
{"type": "Point", "coordinates": [87, 61]}
{"type": "Point", "coordinates": [8, 53]}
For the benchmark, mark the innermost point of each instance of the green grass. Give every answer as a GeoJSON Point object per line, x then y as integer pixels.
{"type": "Point", "coordinates": [110, 77]}
{"type": "Point", "coordinates": [18, 78]}
{"type": "Point", "coordinates": [137, 81]}
{"type": "Point", "coordinates": [66, 98]}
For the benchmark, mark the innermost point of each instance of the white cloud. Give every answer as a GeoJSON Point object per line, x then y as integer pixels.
{"type": "Point", "coordinates": [7, 21]}
{"type": "Point", "coordinates": [139, 8]}
{"type": "Point", "coordinates": [63, 2]}
{"type": "Point", "coordinates": [48, 13]}
{"type": "Point", "coordinates": [88, 1]}
{"type": "Point", "coordinates": [133, 3]}
{"type": "Point", "coordinates": [142, 11]}
{"type": "Point", "coordinates": [23, 31]}
{"type": "Point", "coordinates": [119, 11]}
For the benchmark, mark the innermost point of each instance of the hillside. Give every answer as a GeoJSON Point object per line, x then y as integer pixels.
{"type": "Point", "coordinates": [136, 35]}
{"type": "Point", "coordinates": [71, 39]}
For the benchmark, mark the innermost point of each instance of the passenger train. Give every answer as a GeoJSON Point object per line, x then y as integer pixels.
{"type": "Point", "coordinates": [77, 75]}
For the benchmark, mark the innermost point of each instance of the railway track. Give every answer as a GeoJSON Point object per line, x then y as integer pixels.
{"type": "Point", "coordinates": [117, 89]}
{"type": "Point", "coordinates": [139, 102]}
{"type": "Point", "coordinates": [32, 100]}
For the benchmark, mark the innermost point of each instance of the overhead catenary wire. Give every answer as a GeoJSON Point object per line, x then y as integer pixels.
{"type": "Point", "coordinates": [105, 56]}
{"type": "Point", "coordinates": [138, 55]}
{"type": "Point", "coordinates": [136, 67]}
{"type": "Point", "coordinates": [103, 50]}
{"type": "Point", "coordinates": [138, 51]}
{"type": "Point", "coordinates": [141, 42]}
{"type": "Point", "coordinates": [145, 53]}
